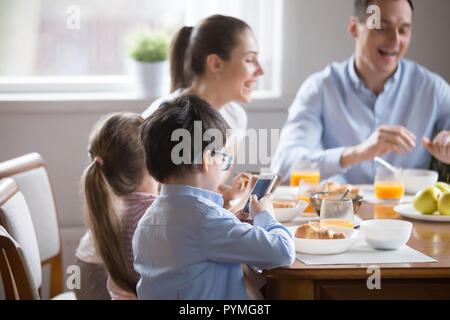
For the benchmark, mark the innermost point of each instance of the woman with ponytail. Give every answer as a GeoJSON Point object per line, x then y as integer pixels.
{"type": "Point", "coordinates": [217, 60]}
{"type": "Point", "coordinates": [118, 190]}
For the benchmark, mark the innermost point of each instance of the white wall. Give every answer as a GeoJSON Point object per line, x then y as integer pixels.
{"type": "Point", "coordinates": [315, 34]}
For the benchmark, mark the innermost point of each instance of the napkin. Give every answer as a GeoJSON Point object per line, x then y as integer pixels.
{"type": "Point", "coordinates": [361, 253]}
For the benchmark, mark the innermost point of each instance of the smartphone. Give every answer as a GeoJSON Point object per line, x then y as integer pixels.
{"type": "Point", "coordinates": [262, 186]}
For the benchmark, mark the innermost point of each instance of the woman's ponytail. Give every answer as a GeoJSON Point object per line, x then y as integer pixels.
{"type": "Point", "coordinates": [180, 74]}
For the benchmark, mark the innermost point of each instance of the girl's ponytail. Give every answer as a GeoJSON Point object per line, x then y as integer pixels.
{"type": "Point", "coordinates": [106, 226]}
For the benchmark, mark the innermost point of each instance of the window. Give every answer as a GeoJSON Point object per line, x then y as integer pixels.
{"type": "Point", "coordinates": [42, 39]}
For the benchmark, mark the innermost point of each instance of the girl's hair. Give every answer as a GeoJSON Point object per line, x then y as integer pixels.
{"type": "Point", "coordinates": [118, 171]}
{"type": "Point", "coordinates": [190, 47]}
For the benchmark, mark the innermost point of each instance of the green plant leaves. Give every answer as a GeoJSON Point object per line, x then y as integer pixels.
{"type": "Point", "coordinates": [145, 45]}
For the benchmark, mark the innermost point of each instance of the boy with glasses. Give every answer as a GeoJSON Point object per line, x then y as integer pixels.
{"type": "Point", "coordinates": [187, 246]}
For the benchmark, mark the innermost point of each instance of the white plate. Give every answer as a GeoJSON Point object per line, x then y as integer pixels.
{"type": "Point", "coordinates": [326, 246]}
{"type": "Point", "coordinates": [408, 211]}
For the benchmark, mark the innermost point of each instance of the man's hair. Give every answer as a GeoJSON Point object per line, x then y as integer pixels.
{"type": "Point", "coordinates": [180, 113]}
{"type": "Point", "coordinates": [360, 8]}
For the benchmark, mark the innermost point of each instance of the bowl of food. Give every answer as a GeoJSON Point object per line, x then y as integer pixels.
{"type": "Point", "coordinates": [387, 234]}
{"type": "Point", "coordinates": [312, 238]}
{"type": "Point", "coordinates": [287, 209]}
{"type": "Point", "coordinates": [415, 180]}
{"type": "Point", "coordinates": [317, 197]}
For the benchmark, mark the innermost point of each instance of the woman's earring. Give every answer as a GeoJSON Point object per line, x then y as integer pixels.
{"type": "Point", "coordinates": [218, 75]}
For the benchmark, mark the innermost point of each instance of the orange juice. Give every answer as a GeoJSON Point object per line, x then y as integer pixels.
{"type": "Point", "coordinates": [337, 223]}
{"type": "Point", "coordinates": [305, 197]}
{"type": "Point", "coordinates": [389, 189]}
{"type": "Point", "coordinates": [298, 175]}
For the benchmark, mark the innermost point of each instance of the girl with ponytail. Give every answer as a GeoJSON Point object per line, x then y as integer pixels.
{"type": "Point", "coordinates": [118, 190]}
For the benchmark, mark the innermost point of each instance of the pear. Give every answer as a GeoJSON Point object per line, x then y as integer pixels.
{"type": "Point", "coordinates": [442, 186]}
{"type": "Point", "coordinates": [426, 200]}
{"type": "Point", "coordinates": [444, 203]}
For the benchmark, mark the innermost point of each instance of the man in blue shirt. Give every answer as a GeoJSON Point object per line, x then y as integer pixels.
{"type": "Point", "coordinates": [374, 104]}
{"type": "Point", "coordinates": [187, 246]}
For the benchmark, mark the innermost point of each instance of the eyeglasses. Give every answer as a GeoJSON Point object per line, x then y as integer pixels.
{"type": "Point", "coordinates": [226, 161]}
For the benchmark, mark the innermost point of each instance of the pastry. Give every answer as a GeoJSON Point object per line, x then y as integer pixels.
{"type": "Point", "coordinates": [283, 204]}
{"type": "Point", "coordinates": [334, 187]}
{"type": "Point", "coordinates": [313, 230]}
{"type": "Point", "coordinates": [244, 183]}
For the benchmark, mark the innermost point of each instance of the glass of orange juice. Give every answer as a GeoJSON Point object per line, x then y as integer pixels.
{"type": "Point", "coordinates": [305, 188]}
{"type": "Point", "coordinates": [304, 170]}
{"type": "Point", "coordinates": [388, 184]}
{"type": "Point", "coordinates": [336, 212]}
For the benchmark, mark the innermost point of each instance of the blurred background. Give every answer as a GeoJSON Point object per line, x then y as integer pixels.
{"type": "Point", "coordinates": [62, 67]}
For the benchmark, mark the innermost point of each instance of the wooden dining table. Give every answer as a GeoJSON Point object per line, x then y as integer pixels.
{"type": "Point", "coordinates": [397, 281]}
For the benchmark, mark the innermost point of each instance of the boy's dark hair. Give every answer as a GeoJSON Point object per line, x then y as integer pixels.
{"type": "Point", "coordinates": [360, 8]}
{"type": "Point", "coordinates": [180, 113]}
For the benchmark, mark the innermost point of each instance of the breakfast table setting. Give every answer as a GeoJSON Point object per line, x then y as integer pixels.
{"type": "Point", "coordinates": [375, 241]}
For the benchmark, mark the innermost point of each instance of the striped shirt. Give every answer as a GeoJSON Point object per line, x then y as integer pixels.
{"type": "Point", "coordinates": [133, 207]}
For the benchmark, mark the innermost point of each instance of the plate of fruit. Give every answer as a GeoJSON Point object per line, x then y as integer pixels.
{"type": "Point", "coordinates": [431, 204]}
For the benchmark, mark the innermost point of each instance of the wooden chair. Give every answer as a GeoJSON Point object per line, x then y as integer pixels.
{"type": "Point", "coordinates": [19, 258]}
{"type": "Point", "coordinates": [16, 278]}
{"type": "Point", "coordinates": [31, 175]}
{"type": "Point", "coordinates": [20, 263]}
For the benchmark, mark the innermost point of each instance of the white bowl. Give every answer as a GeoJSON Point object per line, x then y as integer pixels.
{"type": "Point", "coordinates": [386, 234]}
{"type": "Point", "coordinates": [417, 179]}
{"type": "Point", "coordinates": [287, 214]}
{"type": "Point", "coordinates": [326, 246]}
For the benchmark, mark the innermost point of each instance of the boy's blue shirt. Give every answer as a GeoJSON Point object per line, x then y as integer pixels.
{"type": "Point", "coordinates": [187, 246]}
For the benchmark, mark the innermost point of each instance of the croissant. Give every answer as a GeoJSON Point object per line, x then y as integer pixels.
{"type": "Point", "coordinates": [334, 187]}
{"type": "Point", "coordinates": [313, 230]}
{"type": "Point", "coordinates": [284, 204]}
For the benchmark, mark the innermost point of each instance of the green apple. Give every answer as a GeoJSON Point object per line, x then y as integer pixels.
{"type": "Point", "coordinates": [444, 203]}
{"type": "Point", "coordinates": [442, 186]}
{"type": "Point", "coordinates": [426, 200]}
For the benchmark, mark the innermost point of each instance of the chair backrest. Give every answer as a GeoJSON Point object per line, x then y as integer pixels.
{"type": "Point", "coordinates": [14, 270]}
{"type": "Point", "coordinates": [31, 175]}
{"type": "Point", "coordinates": [22, 255]}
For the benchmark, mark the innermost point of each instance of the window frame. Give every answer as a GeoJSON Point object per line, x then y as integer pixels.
{"type": "Point", "coordinates": [106, 87]}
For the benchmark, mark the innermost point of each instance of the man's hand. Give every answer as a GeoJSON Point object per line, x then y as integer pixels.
{"type": "Point", "coordinates": [440, 147]}
{"type": "Point", "coordinates": [385, 139]}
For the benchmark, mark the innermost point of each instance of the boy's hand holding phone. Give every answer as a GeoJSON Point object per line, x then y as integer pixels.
{"type": "Point", "coordinates": [257, 207]}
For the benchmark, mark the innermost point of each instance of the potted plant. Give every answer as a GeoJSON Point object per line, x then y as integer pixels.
{"type": "Point", "coordinates": [147, 61]}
